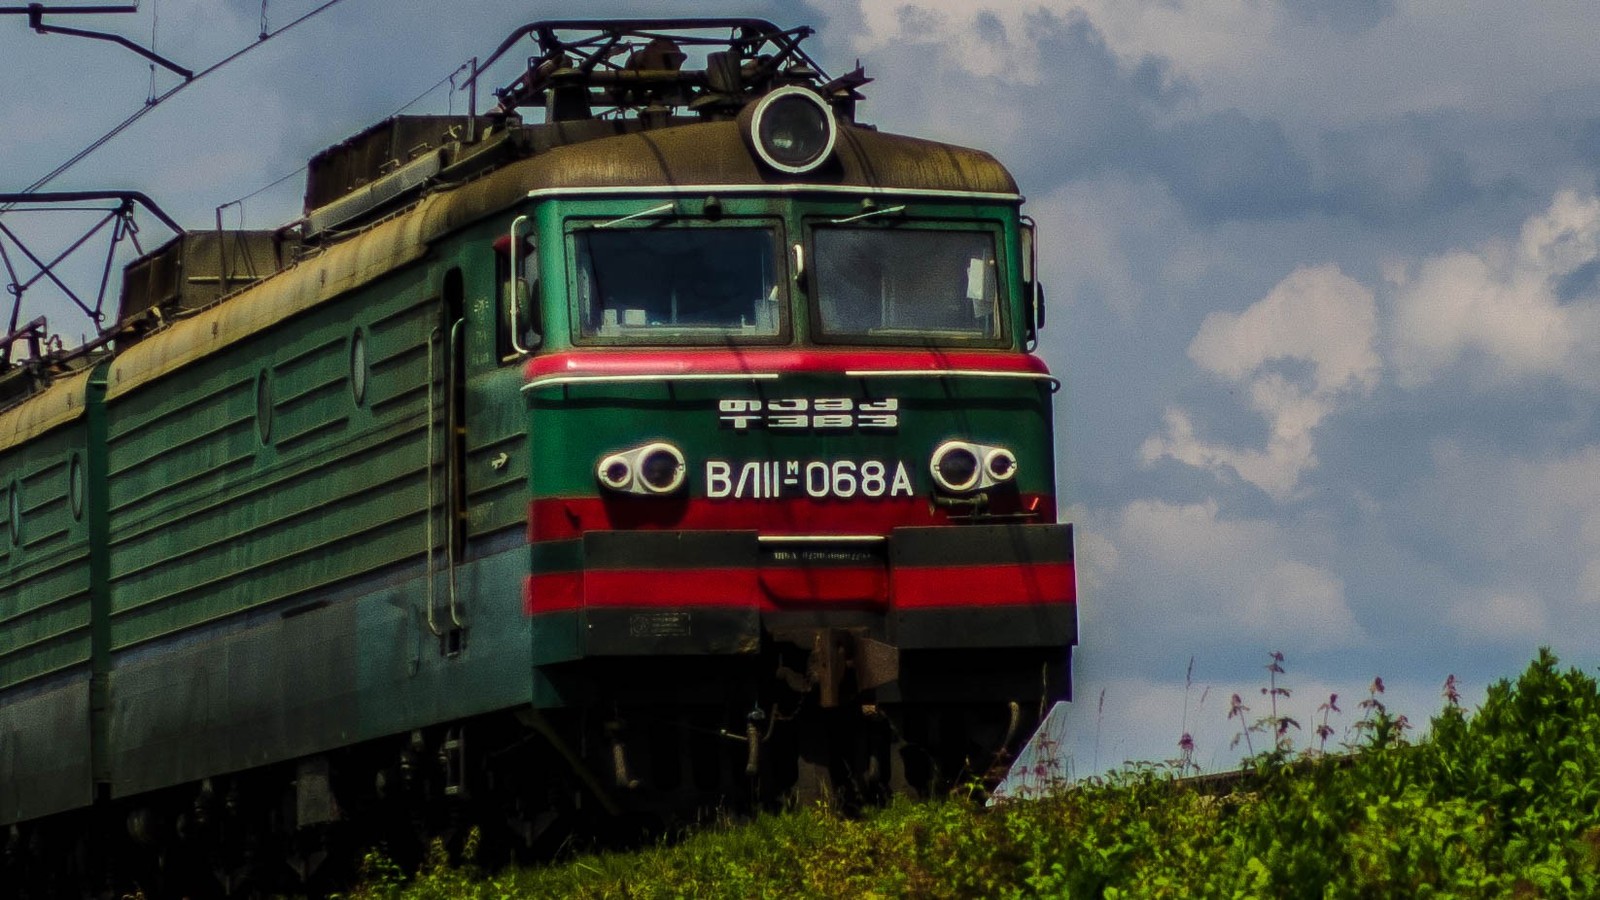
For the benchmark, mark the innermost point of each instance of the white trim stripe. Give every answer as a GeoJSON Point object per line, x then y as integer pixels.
{"type": "Point", "coordinates": [723, 189]}
{"type": "Point", "coordinates": [820, 538]}
{"type": "Point", "coordinates": [1055, 383]}
{"type": "Point", "coordinates": [544, 381]}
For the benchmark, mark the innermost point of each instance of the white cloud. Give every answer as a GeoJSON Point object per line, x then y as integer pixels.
{"type": "Point", "coordinates": [1183, 570]}
{"type": "Point", "coordinates": [1501, 617]}
{"type": "Point", "coordinates": [1096, 555]}
{"type": "Point", "coordinates": [1317, 316]}
{"type": "Point", "coordinates": [1095, 236]}
{"type": "Point", "coordinates": [1518, 540]}
{"type": "Point", "coordinates": [1220, 33]}
{"type": "Point", "coordinates": [1502, 303]}
{"type": "Point", "coordinates": [1260, 57]}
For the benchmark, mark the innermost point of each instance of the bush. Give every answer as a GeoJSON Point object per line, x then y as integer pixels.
{"type": "Point", "coordinates": [1505, 802]}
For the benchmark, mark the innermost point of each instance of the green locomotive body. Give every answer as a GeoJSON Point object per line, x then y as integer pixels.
{"type": "Point", "coordinates": [631, 459]}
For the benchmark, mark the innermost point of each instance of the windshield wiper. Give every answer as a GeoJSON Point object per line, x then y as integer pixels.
{"type": "Point", "coordinates": [867, 215]}
{"type": "Point", "coordinates": [665, 207]}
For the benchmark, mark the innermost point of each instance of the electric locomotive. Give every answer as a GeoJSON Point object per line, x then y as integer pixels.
{"type": "Point", "coordinates": [663, 437]}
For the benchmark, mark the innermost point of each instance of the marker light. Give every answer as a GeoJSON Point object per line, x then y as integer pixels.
{"type": "Point", "coordinates": [1000, 464]}
{"type": "Point", "coordinates": [657, 468]}
{"type": "Point", "coordinates": [616, 472]}
{"type": "Point", "coordinates": [962, 466]}
{"type": "Point", "coordinates": [791, 129]}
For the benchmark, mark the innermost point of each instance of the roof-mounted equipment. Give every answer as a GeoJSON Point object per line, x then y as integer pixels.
{"type": "Point", "coordinates": [614, 68]}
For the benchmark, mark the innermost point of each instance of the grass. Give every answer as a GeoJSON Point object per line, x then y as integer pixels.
{"type": "Point", "coordinates": [1505, 802]}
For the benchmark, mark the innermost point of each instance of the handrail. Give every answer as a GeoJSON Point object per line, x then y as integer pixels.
{"type": "Point", "coordinates": [516, 283]}
{"type": "Point", "coordinates": [433, 336]}
{"type": "Point", "coordinates": [456, 490]}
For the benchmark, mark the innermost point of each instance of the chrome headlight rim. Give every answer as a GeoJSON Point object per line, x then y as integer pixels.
{"type": "Point", "coordinates": [1005, 458]}
{"type": "Point", "coordinates": [615, 472]}
{"type": "Point", "coordinates": [763, 109]}
{"type": "Point", "coordinates": [944, 450]}
{"type": "Point", "coordinates": [680, 472]}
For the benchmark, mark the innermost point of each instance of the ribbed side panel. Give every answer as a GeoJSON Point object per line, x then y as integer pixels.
{"type": "Point", "coordinates": [210, 520]}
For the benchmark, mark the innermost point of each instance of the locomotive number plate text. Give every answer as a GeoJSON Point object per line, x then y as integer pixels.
{"type": "Point", "coordinates": [819, 414]}
{"type": "Point", "coordinates": [777, 478]}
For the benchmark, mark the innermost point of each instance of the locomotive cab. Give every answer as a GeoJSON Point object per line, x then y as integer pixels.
{"type": "Point", "coordinates": [788, 451]}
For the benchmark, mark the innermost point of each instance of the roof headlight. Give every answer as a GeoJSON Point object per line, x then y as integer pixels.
{"type": "Point", "coordinates": [791, 129]}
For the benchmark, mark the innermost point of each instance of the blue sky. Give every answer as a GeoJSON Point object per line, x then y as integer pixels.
{"type": "Point", "coordinates": [1324, 280]}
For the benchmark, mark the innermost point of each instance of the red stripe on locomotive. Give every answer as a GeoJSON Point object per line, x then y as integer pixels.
{"type": "Point", "coordinates": [657, 361]}
{"type": "Point", "coordinates": [779, 588]}
{"type": "Point", "coordinates": [565, 518]}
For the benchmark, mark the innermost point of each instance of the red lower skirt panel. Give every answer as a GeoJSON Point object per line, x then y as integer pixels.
{"type": "Point", "coordinates": [774, 589]}
{"type": "Point", "coordinates": [933, 586]}
{"type": "Point", "coordinates": [566, 518]}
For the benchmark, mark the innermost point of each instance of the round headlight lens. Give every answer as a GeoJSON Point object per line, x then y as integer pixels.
{"type": "Point", "coordinates": [955, 467]}
{"type": "Point", "coordinates": [662, 468]}
{"type": "Point", "coordinates": [793, 130]}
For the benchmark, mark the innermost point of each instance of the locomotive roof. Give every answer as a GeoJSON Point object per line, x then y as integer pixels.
{"type": "Point", "coordinates": [491, 171]}
{"type": "Point", "coordinates": [57, 404]}
{"type": "Point", "coordinates": [708, 154]}
{"type": "Point", "coordinates": [714, 153]}
{"type": "Point", "coordinates": [616, 104]}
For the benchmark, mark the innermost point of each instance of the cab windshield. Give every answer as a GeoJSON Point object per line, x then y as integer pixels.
{"type": "Point", "coordinates": [907, 285]}
{"type": "Point", "coordinates": [678, 285]}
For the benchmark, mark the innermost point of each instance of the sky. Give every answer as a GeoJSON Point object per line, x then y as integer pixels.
{"type": "Point", "coordinates": [1323, 277]}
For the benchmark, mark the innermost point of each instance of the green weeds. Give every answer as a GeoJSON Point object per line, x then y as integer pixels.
{"type": "Point", "coordinates": [1505, 802]}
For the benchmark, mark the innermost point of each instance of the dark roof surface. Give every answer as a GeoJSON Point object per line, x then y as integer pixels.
{"type": "Point", "coordinates": [713, 153]}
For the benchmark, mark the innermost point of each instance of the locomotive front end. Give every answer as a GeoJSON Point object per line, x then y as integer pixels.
{"type": "Point", "coordinates": [790, 456]}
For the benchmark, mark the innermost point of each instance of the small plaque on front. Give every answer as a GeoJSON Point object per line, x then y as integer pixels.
{"type": "Point", "coordinates": [658, 624]}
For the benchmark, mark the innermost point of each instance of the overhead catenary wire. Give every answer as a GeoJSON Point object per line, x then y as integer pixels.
{"type": "Point", "coordinates": [239, 201]}
{"type": "Point", "coordinates": [122, 126]}
{"type": "Point", "coordinates": [450, 79]}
